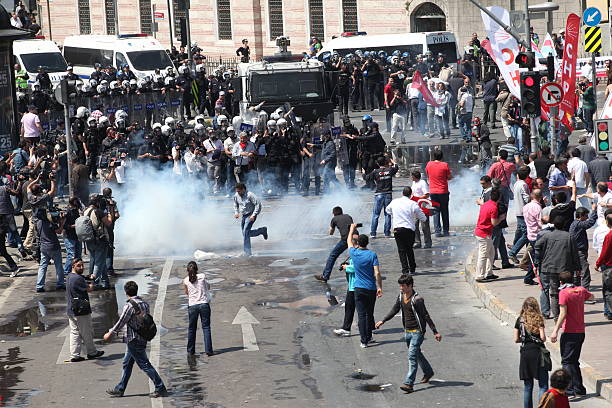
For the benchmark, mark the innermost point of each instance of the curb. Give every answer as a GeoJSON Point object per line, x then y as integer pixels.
{"type": "Point", "coordinates": [591, 378]}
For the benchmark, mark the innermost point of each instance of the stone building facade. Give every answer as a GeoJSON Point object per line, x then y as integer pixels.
{"type": "Point", "coordinates": [218, 26]}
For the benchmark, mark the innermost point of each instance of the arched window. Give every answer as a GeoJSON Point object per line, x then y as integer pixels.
{"type": "Point", "coordinates": [427, 17]}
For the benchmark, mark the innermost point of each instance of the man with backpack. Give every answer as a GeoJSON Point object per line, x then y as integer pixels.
{"type": "Point", "coordinates": [92, 228]}
{"type": "Point", "coordinates": [140, 328]}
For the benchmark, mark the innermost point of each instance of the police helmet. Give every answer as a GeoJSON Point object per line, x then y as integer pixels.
{"type": "Point", "coordinates": [230, 129]}
{"type": "Point", "coordinates": [405, 54]}
{"type": "Point", "coordinates": [93, 83]}
{"type": "Point", "coordinates": [101, 89]}
{"type": "Point", "coordinates": [281, 122]}
{"type": "Point", "coordinates": [120, 123]}
{"type": "Point", "coordinates": [199, 119]}
{"type": "Point", "coordinates": [133, 83]}
{"type": "Point", "coordinates": [156, 125]}
{"type": "Point", "coordinates": [121, 114]}
{"type": "Point", "coordinates": [182, 70]}
{"type": "Point", "coordinates": [366, 118]}
{"type": "Point", "coordinates": [92, 121]}
{"type": "Point", "coordinates": [200, 68]}
{"type": "Point", "coordinates": [274, 116]}
{"type": "Point", "coordinates": [82, 112]}
{"type": "Point", "coordinates": [199, 129]}
{"type": "Point", "coordinates": [114, 85]}
{"type": "Point", "coordinates": [166, 130]}
{"type": "Point", "coordinates": [169, 81]}
{"type": "Point", "coordinates": [396, 53]}
{"type": "Point", "coordinates": [221, 119]}
{"type": "Point", "coordinates": [271, 123]}
{"type": "Point", "coordinates": [103, 120]}
{"type": "Point", "coordinates": [169, 121]}
{"type": "Point", "coordinates": [86, 88]}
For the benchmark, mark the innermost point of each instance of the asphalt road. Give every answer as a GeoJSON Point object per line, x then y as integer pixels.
{"type": "Point", "coordinates": [299, 361]}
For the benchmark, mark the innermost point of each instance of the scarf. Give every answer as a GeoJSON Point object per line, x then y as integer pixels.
{"type": "Point", "coordinates": [243, 145]}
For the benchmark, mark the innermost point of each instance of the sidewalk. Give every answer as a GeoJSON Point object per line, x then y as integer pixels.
{"type": "Point", "coordinates": [504, 298]}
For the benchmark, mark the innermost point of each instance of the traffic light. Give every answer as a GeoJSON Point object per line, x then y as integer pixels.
{"type": "Point", "coordinates": [526, 59]}
{"type": "Point", "coordinates": [550, 67]}
{"type": "Point", "coordinates": [602, 130]}
{"type": "Point", "coordinates": [530, 94]}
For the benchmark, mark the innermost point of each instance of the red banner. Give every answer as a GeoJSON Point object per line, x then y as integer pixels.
{"type": "Point", "coordinates": [421, 85]}
{"type": "Point", "coordinates": [568, 68]}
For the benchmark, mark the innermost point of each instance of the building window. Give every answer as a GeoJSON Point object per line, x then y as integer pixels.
{"type": "Point", "coordinates": [146, 20]}
{"type": "Point", "coordinates": [349, 16]}
{"type": "Point", "coordinates": [317, 28]}
{"type": "Point", "coordinates": [224, 20]}
{"type": "Point", "coordinates": [109, 7]}
{"type": "Point", "coordinates": [275, 10]}
{"type": "Point", "coordinates": [84, 17]}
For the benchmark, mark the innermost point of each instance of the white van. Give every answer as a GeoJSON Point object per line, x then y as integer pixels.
{"type": "Point", "coordinates": [34, 53]}
{"type": "Point", "coordinates": [413, 43]}
{"type": "Point", "coordinates": [141, 52]}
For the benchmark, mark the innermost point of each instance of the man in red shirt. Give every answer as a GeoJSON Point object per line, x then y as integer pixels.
{"type": "Point", "coordinates": [604, 263]}
{"type": "Point", "coordinates": [388, 94]}
{"type": "Point", "coordinates": [487, 219]}
{"type": "Point", "coordinates": [503, 170]}
{"type": "Point", "coordinates": [438, 174]}
{"type": "Point", "coordinates": [571, 318]}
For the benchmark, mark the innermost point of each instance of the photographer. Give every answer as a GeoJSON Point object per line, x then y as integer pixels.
{"type": "Point", "coordinates": [48, 225]}
{"type": "Point", "coordinates": [38, 199]}
{"type": "Point", "coordinates": [73, 246]}
{"type": "Point", "coordinates": [110, 209]}
{"type": "Point", "coordinates": [99, 246]}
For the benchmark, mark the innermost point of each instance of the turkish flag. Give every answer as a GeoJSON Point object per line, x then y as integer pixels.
{"type": "Point", "coordinates": [421, 85]}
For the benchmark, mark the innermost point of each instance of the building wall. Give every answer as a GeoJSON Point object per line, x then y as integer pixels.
{"type": "Point", "coordinates": [250, 20]}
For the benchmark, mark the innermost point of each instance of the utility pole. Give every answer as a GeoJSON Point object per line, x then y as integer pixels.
{"type": "Point", "coordinates": [188, 31]}
{"type": "Point", "coordinates": [532, 124]}
{"type": "Point", "coordinates": [505, 26]}
{"type": "Point", "coordinates": [49, 19]}
{"type": "Point", "coordinates": [63, 99]}
{"type": "Point", "coordinates": [170, 17]}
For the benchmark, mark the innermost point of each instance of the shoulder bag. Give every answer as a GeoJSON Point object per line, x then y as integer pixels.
{"type": "Point", "coordinates": [545, 360]}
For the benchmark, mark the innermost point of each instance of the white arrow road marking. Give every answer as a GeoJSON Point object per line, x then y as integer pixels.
{"type": "Point", "coordinates": [64, 355]}
{"type": "Point", "coordinates": [246, 322]}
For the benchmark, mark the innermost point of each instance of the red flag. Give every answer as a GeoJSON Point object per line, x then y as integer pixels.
{"type": "Point", "coordinates": [568, 67]}
{"type": "Point", "coordinates": [418, 83]}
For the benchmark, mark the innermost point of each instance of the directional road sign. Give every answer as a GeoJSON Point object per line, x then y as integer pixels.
{"type": "Point", "coordinates": [552, 94]}
{"type": "Point", "coordinates": [591, 17]}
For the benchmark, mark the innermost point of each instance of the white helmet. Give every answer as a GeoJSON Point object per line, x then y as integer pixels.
{"type": "Point", "coordinates": [92, 121]}
{"type": "Point", "coordinates": [275, 116]}
{"type": "Point", "coordinates": [200, 68]}
{"type": "Point", "coordinates": [114, 85]}
{"type": "Point", "coordinates": [199, 119]}
{"type": "Point", "coordinates": [21, 95]}
{"type": "Point", "coordinates": [182, 70]}
{"type": "Point", "coordinates": [121, 114]}
{"type": "Point", "coordinates": [125, 84]}
{"type": "Point", "coordinates": [169, 121]}
{"type": "Point", "coordinates": [281, 122]}
{"type": "Point", "coordinates": [271, 123]}
{"type": "Point", "coordinates": [279, 110]}
{"type": "Point", "coordinates": [166, 130]}
{"type": "Point", "coordinates": [157, 78]}
{"type": "Point", "coordinates": [200, 129]}
{"type": "Point", "coordinates": [103, 120]}
{"type": "Point", "coordinates": [230, 129]}
{"type": "Point", "coordinates": [120, 123]}
{"type": "Point", "coordinates": [168, 81]}
{"type": "Point", "coordinates": [221, 119]}
{"type": "Point", "coordinates": [101, 89]}
{"type": "Point", "coordinates": [36, 84]}
{"type": "Point", "coordinates": [169, 70]}
{"type": "Point", "coordinates": [93, 83]}
{"type": "Point", "coordinates": [141, 83]}
{"type": "Point", "coordinates": [133, 83]}
{"type": "Point", "coordinates": [156, 125]}
{"type": "Point", "coordinates": [86, 88]}
{"type": "Point", "coordinates": [236, 122]}
{"type": "Point", "coordinates": [82, 112]}
{"type": "Point", "coordinates": [104, 82]}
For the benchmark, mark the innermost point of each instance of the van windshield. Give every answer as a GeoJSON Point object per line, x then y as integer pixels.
{"type": "Point", "coordinates": [149, 60]}
{"type": "Point", "coordinates": [448, 49]}
{"type": "Point", "coordinates": [50, 61]}
{"type": "Point", "coordinates": [283, 87]}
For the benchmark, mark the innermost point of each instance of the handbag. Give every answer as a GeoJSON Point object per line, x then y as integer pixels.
{"type": "Point", "coordinates": [545, 360]}
{"type": "Point", "coordinates": [80, 307]}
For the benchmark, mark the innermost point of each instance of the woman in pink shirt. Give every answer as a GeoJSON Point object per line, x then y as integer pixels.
{"type": "Point", "coordinates": [198, 291]}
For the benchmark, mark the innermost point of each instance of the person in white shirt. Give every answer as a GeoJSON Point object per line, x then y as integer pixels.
{"type": "Point", "coordinates": [603, 199]}
{"type": "Point", "coordinates": [242, 153]}
{"type": "Point", "coordinates": [466, 105]}
{"type": "Point", "coordinates": [404, 214]}
{"type": "Point", "coordinates": [198, 293]}
{"type": "Point", "coordinates": [413, 97]}
{"type": "Point", "coordinates": [195, 161]}
{"type": "Point", "coordinates": [228, 147]}
{"type": "Point", "coordinates": [579, 172]}
{"type": "Point", "coordinates": [177, 157]}
{"type": "Point", "coordinates": [420, 189]}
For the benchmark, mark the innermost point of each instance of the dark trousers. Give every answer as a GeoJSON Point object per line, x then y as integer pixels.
{"type": "Point", "coordinates": [374, 97]}
{"type": "Point", "coordinates": [349, 310]}
{"type": "Point", "coordinates": [584, 279]}
{"type": "Point", "coordinates": [499, 243]}
{"type": "Point", "coordinates": [571, 346]}
{"type": "Point", "coordinates": [201, 311]}
{"type": "Point", "coordinates": [489, 107]}
{"type": "Point", "coordinates": [404, 238]}
{"type": "Point", "coordinates": [4, 253]}
{"type": "Point", "coordinates": [337, 250]}
{"type": "Point", "coordinates": [414, 113]}
{"type": "Point", "coordinates": [365, 300]}
{"type": "Point", "coordinates": [358, 100]}
{"type": "Point", "coordinates": [441, 199]}
{"type": "Point", "coordinates": [343, 96]}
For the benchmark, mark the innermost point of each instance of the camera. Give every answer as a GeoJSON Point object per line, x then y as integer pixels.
{"type": "Point", "coordinates": [359, 225]}
{"type": "Point", "coordinates": [55, 214]}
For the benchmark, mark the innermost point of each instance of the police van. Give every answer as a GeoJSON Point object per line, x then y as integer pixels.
{"type": "Point", "coordinates": [410, 43]}
{"type": "Point", "coordinates": [34, 53]}
{"type": "Point", "coordinates": [142, 53]}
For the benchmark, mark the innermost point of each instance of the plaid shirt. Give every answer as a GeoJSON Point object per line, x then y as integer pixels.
{"type": "Point", "coordinates": [128, 320]}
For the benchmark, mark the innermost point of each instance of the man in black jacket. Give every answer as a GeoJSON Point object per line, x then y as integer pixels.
{"type": "Point", "coordinates": [415, 317]}
{"type": "Point", "coordinates": [382, 177]}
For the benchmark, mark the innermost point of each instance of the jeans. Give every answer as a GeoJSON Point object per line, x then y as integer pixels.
{"type": "Point", "coordinates": [365, 300]}
{"type": "Point", "coordinates": [202, 311]}
{"type": "Point", "coordinates": [465, 125]}
{"type": "Point", "coordinates": [404, 239]}
{"type": "Point", "coordinates": [4, 253]}
{"type": "Point", "coordinates": [137, 352]}
{"type": "Point", "coordinates": [441, 199]}
{"type": "Point", "coordinates": [585, 279]}
{"type": "Point", "coordinates": [329, 176]}
{"type": "Point", "coordinates": [606, 276]}
{"type": "Point", "coordinates": [520, 236]}
{"type": "Point", "coordinates": [584, 201]}
{"type": "Point", "coordinates": [247, 233]}
{"type": "Point", "coordinates": [571, 346]}
{"type": "Point", "coordinates": [528, 391]}
{"type": "Point", "coordinates": [338, 249]}
{"type": "Point", "coordinates": [416, 357]}
{"type": "Point", "coordinates": [549, 298]}
{"type": "Point", "coordinates": [349, 310]}
{"type": "Point", "coordinates": [530, 275]}
{"type": "Point", "coordinates": [73, 250]}
{"type": "Point", "coordinates": [517, 133]}
{"type": "Point", "coordinates": [587, 115]}
{"type": "Point", "coordinates": [45, 259]}
{"type": "Point", "coordinates": [381, 201]}
{"type": "Point", "coordinates": [97, 262]}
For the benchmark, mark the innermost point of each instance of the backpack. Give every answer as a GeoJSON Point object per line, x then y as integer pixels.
{"type": "Point", "coordinates": [84, 228]}
{"type": "Point", "coordinates": [146, 328]}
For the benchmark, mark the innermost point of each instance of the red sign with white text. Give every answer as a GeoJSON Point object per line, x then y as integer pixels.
{"type": "Point", "coordinates": [568, 67]}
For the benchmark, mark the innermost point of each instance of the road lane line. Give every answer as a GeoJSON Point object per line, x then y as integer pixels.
{"type": "Point", "coordinates": [157, 317]}
{"type": "Point", "coordinates": [64, 354]}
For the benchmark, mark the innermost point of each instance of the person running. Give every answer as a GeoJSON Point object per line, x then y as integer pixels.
{"type": "Point", "coordinates": [529, 331]}
{"type": "Point", "coordinates": [247, 207]}
{"type": "Point", "coordinates": [343, 223]}
{"type": "Point", "coordinates": [198, 292]}
{"type": "Point", "coordinates": [368, 283]}
{"type": "Point", "coordinates": [414, 319]}
{"type": "Point", "coordinates": [136, 351]}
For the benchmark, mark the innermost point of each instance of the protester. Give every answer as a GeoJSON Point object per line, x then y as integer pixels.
{"type": "Point", "coordinates": [349, 301]}
{"type": "Point", "coordinates": [604, 264]}
{"type": "Point", "coordinates": [438, 173]}
{"type": "Point", "coordinates": [577, 231]}
{"type": "Point", "coordinates": [98, 245]}
{"type": "Point", "coordinates": [247, 207]}
{"type": "Point", "coordinates": [50, 249]}
{"type": "Point", "coordinates": [343, 223]}
{"type": "Point", "coordinates": [198, 293]}
{"type": "Point", "coordinates": [72, 244]}
{"type": "Point", "coordinates": [420, 191]}
{"type": "Point", "coordinates": [487, 219]}
{"type": "Point", "coordinates": [383, 179]}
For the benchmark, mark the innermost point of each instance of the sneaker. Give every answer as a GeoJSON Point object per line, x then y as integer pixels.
{"type": "Point", "coordinates": [513, 258]}
{"type": "Point", "coordinates": [427, 246]}
{"type": "Point", "coordinates": [363, 345]}
{"type": "Point", "coordinates": [342, 332]}
{"type": "Point", "coordinates": [372, 236]}
{"type": "Point", "coordinates": [495, 268]}
{"type": "Point", "coordinates": [14, 271]}
{"type": "Point", "coordinates": [40, 290]}
{"type": "Point", "coordinates": [609, 317]}
{"type": "Point", "coordinates": [530, 282]}
{"type": "Point", "coordinates": [492, 277]}
{"type": "Point", "coordinates": [210, 354]}
{"type": "Point", "coordinates": [265, 232]}
{"type": "Point", "coordinates": [590, 302]}
{"type": "Point", "coordinates": [158, 393]}
{"type": "Point", "coordinates": [97, 354]}
{"type": "Point", "coordinates": [407, 388]}
{"type": "Point", "coordinates": [76, 359]}
{"type": "Point", "coordinates": [114, 393]}
{"type": "Point", "coordinates": [507, 266]}
{"type": "Point", "coordinates": [416, 246]}
{"type": "Point", "coordinates": [482, 280]}
{"type": "Point", "coordinates": [320, 278]}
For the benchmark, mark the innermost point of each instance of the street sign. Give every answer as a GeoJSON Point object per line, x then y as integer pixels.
{"type": "Point", "coordinates": [602, 131]}
{"type": "Point", "coordinates": [591, 17]}
{"type": "Point", "coordinates": [540, 15]}
{"type": "Point", "coordinates": [552, 94]}
{"type": "Point", "coordinates": [158, 15]}
{"type": "Point", "coordinates": [518, 20]}
{"type": "Point", "coordinates": [592, 39]}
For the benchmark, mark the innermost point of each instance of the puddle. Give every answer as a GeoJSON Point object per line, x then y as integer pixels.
{"type": "Point", "coordinates": [12, 393]}
{"type": "Point", "coordinates": [215, 280]}
{"type": "Point", "coordinates": [29, 321]}
{"type": "Point", "coordinates": [310, 304]}
{"type": "Point", "coordinates": [143, 278]}
{"type": "Point", "coordinates": [373, 387]}
{"type": "Point", "coordinates": [360, 375]}
{"type": "Point", "coordinates": [269, 304]}
{"type": "Point", "coordinates": [173, 281]}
